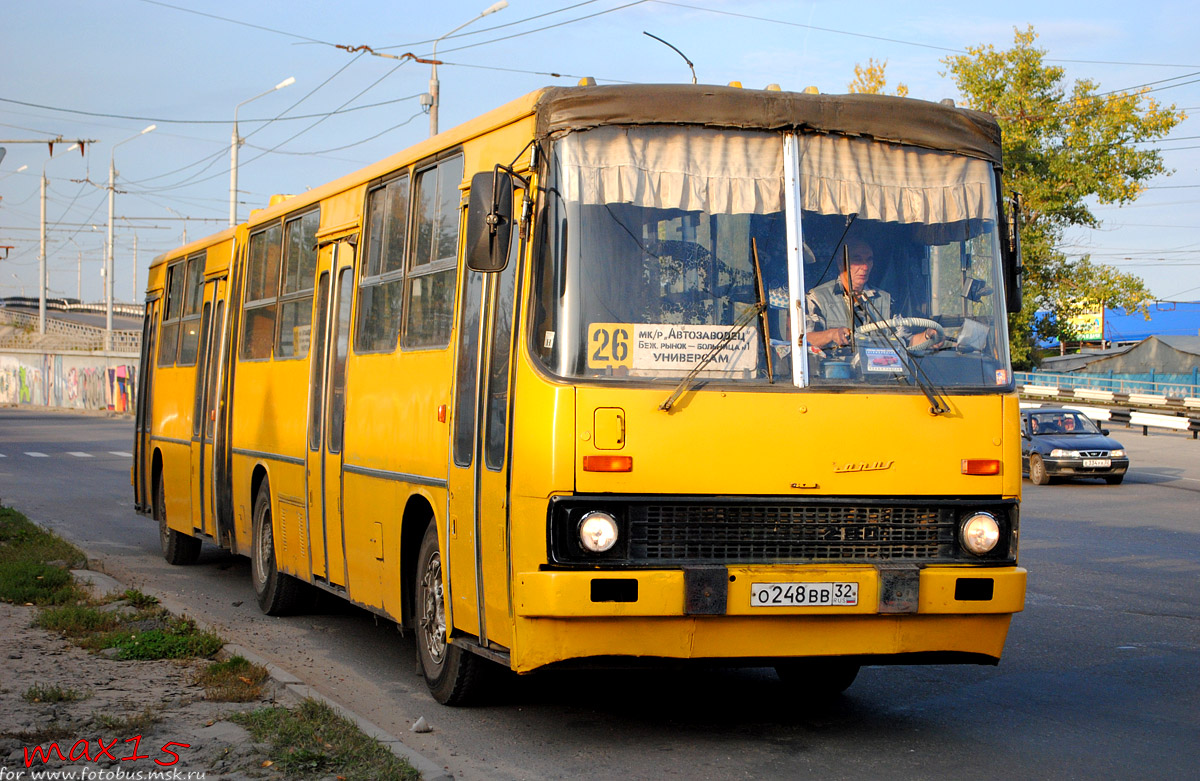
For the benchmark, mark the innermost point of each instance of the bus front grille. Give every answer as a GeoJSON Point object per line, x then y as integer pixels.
{"type": "Point", "coordinates": [735, 533]}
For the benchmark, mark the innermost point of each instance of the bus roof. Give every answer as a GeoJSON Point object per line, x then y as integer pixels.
{"type": "Point", "coordinates": [882, 117]}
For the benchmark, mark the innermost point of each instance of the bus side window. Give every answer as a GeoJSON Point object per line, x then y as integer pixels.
{"type": "Point", "coordinates": [169, 347]}
{"type": "Point", "coordinates": [295, 297]}
{"type": "Point", "coordinates": [193, 297]}
{"type": "Point", "coordinates": [262, 284]}
{"type": "Point", "coordinates": [430, 293]}
{"type": "Point", "coordinates": [381, 285]}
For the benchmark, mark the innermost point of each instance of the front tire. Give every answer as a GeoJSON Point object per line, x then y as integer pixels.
{"type": "Point", "coordinates": [1037, 470]}
{"type": "Point", "coordinates": [817, 679]}
{"type": "Point", "coordinates": [278, 594]}
{"type": "Point", "coordinates": [177, 547]}
{"type": "Point", "coordinates": [454, 676]}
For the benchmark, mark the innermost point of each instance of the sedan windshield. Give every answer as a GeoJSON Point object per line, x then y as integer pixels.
{"type": "Point", "coordinates": [668, 250]}
{"type": "Point", "coordinates": [1058, 422]}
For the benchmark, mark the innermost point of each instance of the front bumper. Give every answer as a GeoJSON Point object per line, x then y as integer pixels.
{"type": "Point", "coordinates": [956, 611]}
{"type": "Point", "coordinates": [1074, 467]}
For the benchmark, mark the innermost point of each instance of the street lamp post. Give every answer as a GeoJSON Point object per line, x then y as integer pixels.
{"type": "Point", "coordinates": [42, 249]}
{"type": "Point", "coordinates": [10, 173]}
{"type": "Point", "coordinates": [236, 142]}
{"type": "Point", "coordinates": [434, 85]}
{"type": "Point", "coordinates": [108, 255]}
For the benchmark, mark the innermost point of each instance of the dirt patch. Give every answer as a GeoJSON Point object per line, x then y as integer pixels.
{"type": "Point", "coordinates": [148, 716]}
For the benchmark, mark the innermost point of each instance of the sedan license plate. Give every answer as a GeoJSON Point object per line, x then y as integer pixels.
{"type": "Point", "coordinates": [1097, 462]}
{"type": "Point", "coordinates": [803, 594]}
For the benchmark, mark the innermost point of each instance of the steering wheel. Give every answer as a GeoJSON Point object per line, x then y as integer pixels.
{"type": "Point", "coordinates": [913, 323]}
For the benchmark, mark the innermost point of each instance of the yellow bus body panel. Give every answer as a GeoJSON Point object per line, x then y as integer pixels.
{"type": "Point", "coordinates": [801, 444]}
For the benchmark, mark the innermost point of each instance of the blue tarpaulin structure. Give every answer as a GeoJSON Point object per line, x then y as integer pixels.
{"type": "Point", "coordinates": [1167, 318]}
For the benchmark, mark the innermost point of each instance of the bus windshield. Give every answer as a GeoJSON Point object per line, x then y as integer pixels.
{"type": "Point", "coordinates": [667, 248]}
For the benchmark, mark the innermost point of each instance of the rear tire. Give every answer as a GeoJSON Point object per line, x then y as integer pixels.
{"type": "Point", "coordinates": [817, 679]}
{"type": "Point", "coordinates": [278, 594]}
{"type": "Point", "coordinates": [1037, 470]}
{"type": "Point", "coordinates": [177, 547]}
{"type": "Point", "coordinates": [453, 675]}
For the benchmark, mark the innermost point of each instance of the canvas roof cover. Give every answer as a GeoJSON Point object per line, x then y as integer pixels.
{"type": "Point", "coordinates": [882, 117]}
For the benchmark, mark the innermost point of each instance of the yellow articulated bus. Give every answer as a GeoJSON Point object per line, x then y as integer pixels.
{"type": "Point", "coordinates": [615, 375]}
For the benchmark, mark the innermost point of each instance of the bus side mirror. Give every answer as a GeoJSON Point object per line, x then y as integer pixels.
{"type": "Point", "coordinates": [1013, 267]}
{"type": "Point", "coordinates": [489, 220]}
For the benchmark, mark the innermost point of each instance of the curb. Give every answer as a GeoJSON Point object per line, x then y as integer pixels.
{"type": "Point", "coordinates": [102, 583]}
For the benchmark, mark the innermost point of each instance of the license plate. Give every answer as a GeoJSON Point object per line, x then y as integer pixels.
{"type": "Point", "coordinates": [803, 594]}
{"type": "Point", "coordinates": [1097, 462]}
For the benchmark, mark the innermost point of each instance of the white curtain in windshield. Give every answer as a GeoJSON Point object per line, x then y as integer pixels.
{"type": "Point", "coordinates": [892, 183]}
{"type": "Point", "coordinates": [691, 169]}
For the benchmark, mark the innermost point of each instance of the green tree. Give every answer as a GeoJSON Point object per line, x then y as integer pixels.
{"type": "Point", "coordinates": [872, 80]}
{"type": "Point", "coordinates": [1063, 144]}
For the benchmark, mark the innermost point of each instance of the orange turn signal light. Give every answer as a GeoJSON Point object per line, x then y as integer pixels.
{"type": "Point", "coordinates": [608, 463]}
{"type": "Point", "coordinates": [980, 466]}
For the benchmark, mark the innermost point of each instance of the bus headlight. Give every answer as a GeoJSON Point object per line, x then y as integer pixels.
{"type": "Point", "coordinates": [598, 532]}
{"type": "Point", "coordinates": [980, 533]}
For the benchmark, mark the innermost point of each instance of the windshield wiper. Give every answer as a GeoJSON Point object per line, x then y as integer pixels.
{"type": "Point", "coordinates": [762, 308]}
{"type": "Point", "coordinates": [743, 320]}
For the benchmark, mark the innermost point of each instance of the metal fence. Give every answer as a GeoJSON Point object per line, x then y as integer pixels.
{"type": "Point", "coordinates": [22, 334]}
{"type": "Point", "coordinates": [1180, 386]}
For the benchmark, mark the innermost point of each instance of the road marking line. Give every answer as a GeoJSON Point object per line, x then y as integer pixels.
{"type": "Point", "coordinates": [120, 453]}
{"type": "Point", "coordinates": [78, 454]}
{"type": "Point", "coordinates": [33, 454]}
{"type": "Point", "coordinates": [1169, 477]}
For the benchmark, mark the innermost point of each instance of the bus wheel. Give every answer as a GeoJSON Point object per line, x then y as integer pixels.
{"type": "Point", "coordinates": [1037, 470]}
{"type": "Point", "coordinates": [452, 674]}
{"type": "Point", "coordinates": [817, 679]}
{"type": "Point", "coordinates": [278, 594]}
{"type": "Point", "coordinates": [177, 547]}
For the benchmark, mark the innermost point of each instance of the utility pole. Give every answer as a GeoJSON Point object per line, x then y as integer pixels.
{"type": "Point", "coordinates": [42, 276]}
{"type": "Point", "coordinates": [108, 259]}
{"type": "Point", "coordinates": [133, 299]}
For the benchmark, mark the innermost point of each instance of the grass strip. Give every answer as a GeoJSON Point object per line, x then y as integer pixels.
{"type": "Point", "coordinates": [313, 741]}
{"type": "Point", "coordinates": [34, 563]}
{"type": "Point", "coordinates": [233, 680]}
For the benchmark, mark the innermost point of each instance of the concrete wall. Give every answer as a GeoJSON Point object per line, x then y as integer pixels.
{"type": "Point", "coordinates": [94, 381]}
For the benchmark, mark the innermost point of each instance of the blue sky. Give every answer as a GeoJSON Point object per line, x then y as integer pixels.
{"type": "Point", "coordinates": [102, 70]}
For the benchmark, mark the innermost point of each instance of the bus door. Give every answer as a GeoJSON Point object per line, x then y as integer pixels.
{"type": "Point", "coordinates": [479, 538]}
{"type": "Point", "coordinates": [208, 363]}
{"type": "Point", "coordinates": [141, 440]}
{"type": "Point", "coordinates": [327, 408]}
{"type": "Point", "coordinates": [214, 366]}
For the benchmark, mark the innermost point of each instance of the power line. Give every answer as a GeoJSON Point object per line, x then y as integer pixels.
{"type": "Point", "coordinates": [484, 30]}
{"type": "Point", "coordinates": [543, 29]}
{"type": "Point", "coordinates": [203, 121]}
{"type": "Point", "coordinates": [237, 22]}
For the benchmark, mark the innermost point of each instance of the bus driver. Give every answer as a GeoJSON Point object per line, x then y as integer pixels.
{"type": "Point", "coordinates": [827, 320]}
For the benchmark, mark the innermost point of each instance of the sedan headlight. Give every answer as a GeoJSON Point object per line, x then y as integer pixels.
{"type": "Point", "coordinates": [1117, 453]}
{"type": "Point", "coordinates": [597, 532]}
{"type": "Point", "coordinates": [980, 533]}
{"type": "Point", "coordinates": [1058, 452]}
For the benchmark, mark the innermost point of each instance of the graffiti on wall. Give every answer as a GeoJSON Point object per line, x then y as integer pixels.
{"type": "Point", "coordinates": [79, 382]}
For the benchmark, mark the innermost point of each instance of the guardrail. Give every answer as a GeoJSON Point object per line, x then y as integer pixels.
{"type": "Point", "coordinates": [62, 335]}
{"type": "Point", "coordinates": [1168, 385]}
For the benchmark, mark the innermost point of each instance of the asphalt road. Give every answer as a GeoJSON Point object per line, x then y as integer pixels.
{"type": "Point", "coordinates": [1098, 680]}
